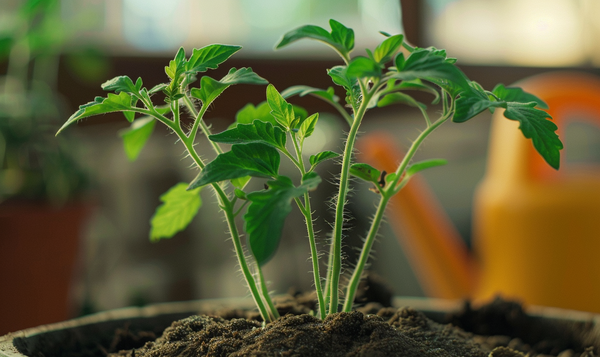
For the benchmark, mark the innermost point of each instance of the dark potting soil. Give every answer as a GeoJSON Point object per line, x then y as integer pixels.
{"type": "Point", "coordinates": [500, 329]}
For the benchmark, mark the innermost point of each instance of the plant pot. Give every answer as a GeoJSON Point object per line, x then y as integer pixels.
{"type": "Point", "coordinates": [39, 245]}
{"type": "Point", "coordinates": [92, 335]}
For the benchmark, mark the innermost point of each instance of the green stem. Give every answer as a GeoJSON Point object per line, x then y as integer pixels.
{"type": "Point", "coordinates": [364, 254]}
{"type": "Point", "coordinates": [307, 212]}
{"type": "Point", "coordinates": [227, 208]}
{"type": "Point", "coordinates": [199, 123]}
{"type": "Point", "coordinates": [385, 197]}
{"type": "Point", "coordinates": [265, 293]}
{"type": "Point", "coordinates": [336, 261]}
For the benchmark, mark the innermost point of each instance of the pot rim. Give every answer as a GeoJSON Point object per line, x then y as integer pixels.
{"type": "Point", "coordinates": [423, 304]}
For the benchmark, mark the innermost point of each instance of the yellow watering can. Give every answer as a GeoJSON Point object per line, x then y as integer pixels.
{"type": "Point", "coordinates": [536, 231]}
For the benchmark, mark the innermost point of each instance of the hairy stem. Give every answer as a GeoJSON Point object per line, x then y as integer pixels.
{"type": "Point", "coordinates": [308, 219]}
{"type": "Point", "coordinates": [265, 293]}
{"type": "Point", "coordinates": [228, 210]}
{"type": "Point", "coordinates": [385, 197]}
{"type": "Point", "coordinates": [364, 255]}
{"type": "Point", "coordinates": [336, 261]}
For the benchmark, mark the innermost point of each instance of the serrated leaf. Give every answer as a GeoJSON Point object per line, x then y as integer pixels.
{"type": "Point", "coordinates": [320, 157]}
{"type": "Point", "coordinates": [281, 110]}
{"type": "Point", "coordinates": [535, 126]}
{"type": "Point", "coordinates": [431, 64]}
{"type": "Point", "coordinates": [209, 57]}
{"type": "Point", "coordinates": [122, 84]}
{"type": "Point", "coordinates": [210, 88]}
{"type": "Point", "coordinates": [136, 136]}
{"type": "Point", "coordinates": [308, 126]}
{"type": "Point", "coordinates": [365, 172]}
{"type": "Point", "coordinates": [254, 159]}
{"type": "Point", "coordinates": [301, 91]}
{"type": "Point", "coordinates": [249, 113]}
{"type": "Point", "coordinates": [112, 103]}
{"type": "Point", "coordinates": [266, 214]}
{"type": "Point", "coordinates": [426, 164]}
{"type": "Point", "coordinates": [363, 67]}
{"type": "Point", "coordinates": [471, 103]}
{"type": "Point", "coordinates": [388, 49]}
{"type": "Point", "coordinates": [341, 38]}
{"type": "Point", "coordinates": [179, 207]}
{"type": "Point", "coordinates": [257, 132]}
{"type": "Point", "coordinates": [398, 97]}
{"type": "Point", "coordinates": [516, 94]}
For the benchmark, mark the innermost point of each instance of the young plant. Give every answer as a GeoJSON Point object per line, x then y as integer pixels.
{"type": "Point", "coordinates": [262, 135]}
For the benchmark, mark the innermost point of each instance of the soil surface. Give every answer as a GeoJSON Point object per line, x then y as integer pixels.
{"type": "Point", "coordinates": [499, 329]}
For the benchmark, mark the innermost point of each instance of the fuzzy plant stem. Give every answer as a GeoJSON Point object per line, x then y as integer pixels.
{"type": "Point", "coordinates": [306, 211]}
{"type": "Point", "coordinates": [228, 209]}
{"type": "Point", "coordinates": [336, 249]}
{"type": "Point", "coordinates": [385, 197]}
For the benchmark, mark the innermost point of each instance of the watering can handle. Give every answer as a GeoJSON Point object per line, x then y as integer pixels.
{"type": "Point", "coordinates": [436, 251]}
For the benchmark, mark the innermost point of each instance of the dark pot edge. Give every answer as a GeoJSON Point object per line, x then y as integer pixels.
{"type": "Point", "coordinates": [434, 308]}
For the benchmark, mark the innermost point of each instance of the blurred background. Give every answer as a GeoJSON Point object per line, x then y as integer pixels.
{"type": "Point", "coordinates": [54, 55]}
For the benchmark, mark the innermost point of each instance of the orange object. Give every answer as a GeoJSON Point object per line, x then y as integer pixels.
{"type": "Point", "coordinates": [536, 230]}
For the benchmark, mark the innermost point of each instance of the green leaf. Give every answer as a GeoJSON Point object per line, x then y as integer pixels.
{"type": "Point", "coordinates": [339, 76]}
{"type": "Point", "coordinates": [363, 67]}
{"type": "Point", "coordinates": [535, 126]}
{"type": "Point", "coordinates": [341, 38]}
{"type": "Point", "coordinates": [516, 94]}
{"type": "Point", "coordinates": [432, 65]}
{"type": "Point", "coordinates": [113, 103]}
{"type": "Point", "coordinates": [308, 126]}
{"type": "Point", "coordinates": [209, 57]}
{"type": "Point", "coordinates": [158, 88]}
{"type": "Point", "coordinates": [254, 159]}
{"type": "Point", "coordinates": [179, 207]}
{"type": "Point", "coordinates": [301, 91]}
{"type": "Point", "coordinates": [426, 164]}
{"type": "Point", "coordinates": [342, 35]}
{"type": "Point", "coordinates": [320, 157]}
{"type": "Point", "coordinates": [280, 108]}
{"type": "Point", "coordinates": [471, 103]}
{"type": "Point", "coordinates": [398, 97]}
{"type": "Point", "coordinates": [122, 84]}
{"type": "Point", "coordinates": [136, 136]}
{"type": "Point", "coordinates": [266, 214]}
{"type": "Point", "coordinates": [240, 182]}
{"type": "Point", "coordinates": [388, 49]}
{"type": "Point", "coordinates": [415, 84]}
{"type": "Point", "coordinates": [177, 65]}
{"type": "Point", "coordinates": [365, 172]}
{"type": "Point", "coordinates": [257, 132]}
{"type": "Point", "coordinates": [210, 88]}
{"type": "Point", "coordinates": [249, 113]}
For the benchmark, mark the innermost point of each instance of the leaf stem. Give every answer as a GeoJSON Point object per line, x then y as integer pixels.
{"type": "Point", "coordinates": [199, 123]}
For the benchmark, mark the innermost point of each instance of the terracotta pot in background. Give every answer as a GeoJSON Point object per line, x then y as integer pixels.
{"type": "Point", "coordinates": [39, 245]}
